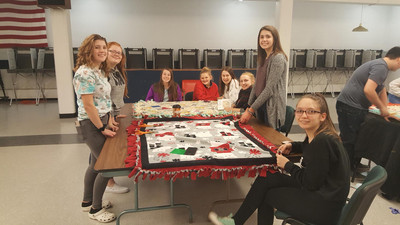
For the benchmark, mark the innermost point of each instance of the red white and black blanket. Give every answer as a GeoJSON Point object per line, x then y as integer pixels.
{"type": "Point", "coordinates": [172, 148]}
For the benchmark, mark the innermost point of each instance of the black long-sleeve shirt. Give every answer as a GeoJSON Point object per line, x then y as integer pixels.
{"type": "Point", "coordinates": [324, 168]}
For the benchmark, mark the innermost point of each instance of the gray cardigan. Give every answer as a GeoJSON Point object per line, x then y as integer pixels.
{"type": "Point", "coordinates": [274, 93]}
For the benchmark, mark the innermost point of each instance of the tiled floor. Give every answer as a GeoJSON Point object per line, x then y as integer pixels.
{"type": "Point", "coordinates": [42, 161]}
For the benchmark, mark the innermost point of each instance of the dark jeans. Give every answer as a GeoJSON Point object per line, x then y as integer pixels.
{"type": "Point", "coordinates": [262, 114]}
{"type": "Point", "coordinates": [285, 194]}
{"type": "Point", "coordinates": [350, 120]}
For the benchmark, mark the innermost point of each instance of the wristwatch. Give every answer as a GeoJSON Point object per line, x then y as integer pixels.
{"type": "Point", "coordinates": [102, 128]}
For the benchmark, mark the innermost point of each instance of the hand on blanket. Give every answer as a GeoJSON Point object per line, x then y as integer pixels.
{"type": "Point", "coordinates": [245, 117]}
{"type": "Point", "coordinates": [285, 148]}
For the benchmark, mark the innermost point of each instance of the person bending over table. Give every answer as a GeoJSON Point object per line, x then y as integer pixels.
{"type": "Point", "coordinates": [228, 85]}
{"type": "Point", "coordinates": [117, 78]}
{"type": "Point", "coordinates": [246, 83]}
{"type": "Point", "coordinates": [268, 97]}
{"type": "Point", "coordinates": [166, 89]}
{"type": "Point", "coordinates": [315, 191]}
{"type": "Point", "coordinates": [364, 88]}
{"type": "Point", "coordinates": [205, 88]}
{"type": "Point", "coordinates": [94, 107]}
{"type": "Point", "coordinates": [394, 91]}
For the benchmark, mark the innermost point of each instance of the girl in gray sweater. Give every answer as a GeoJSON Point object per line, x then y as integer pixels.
{"type": "Point", "coordinates": [268, 98]}
{"type": "Point", "coordinates": [117, 78]}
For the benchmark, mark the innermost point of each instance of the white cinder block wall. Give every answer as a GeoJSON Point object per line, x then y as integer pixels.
{"type": "Point", "coordinates": [226, 24]}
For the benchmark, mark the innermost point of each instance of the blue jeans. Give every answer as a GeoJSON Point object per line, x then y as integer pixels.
{"type": "Point", "coordinates": [350, 120]}
{"type": "Point", "coordinates": [393, 99]}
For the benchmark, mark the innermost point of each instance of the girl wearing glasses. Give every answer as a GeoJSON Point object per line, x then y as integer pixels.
{"type": "Point", "coordinates": [117, 78]}
{"type": "Point", "coordinates": [316, 190]}
{"type": "Point", "coordinates": [166, 90]}
{"type": "Point", "coordinates": [94, 106]}
{"type": "Point", "coordinates": [268, 98]}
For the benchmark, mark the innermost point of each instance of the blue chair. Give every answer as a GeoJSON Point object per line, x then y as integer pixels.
{"type": "Point", "coordinates": [357, 206]}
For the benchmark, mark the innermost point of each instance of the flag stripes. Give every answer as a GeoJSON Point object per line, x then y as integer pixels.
{"type": "Point", "coordinates": [22, 24]}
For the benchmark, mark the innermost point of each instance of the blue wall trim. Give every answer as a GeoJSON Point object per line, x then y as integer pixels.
{"type": "Point", "coordinates": [139, 81]}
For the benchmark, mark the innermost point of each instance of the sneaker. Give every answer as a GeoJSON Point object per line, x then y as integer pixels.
{"type": "Point", "coordinates": [117, 189]}
{"type": "Point", "coordinates": [215, 219]}
{"type": "Point", "coordinates": [102, 216]}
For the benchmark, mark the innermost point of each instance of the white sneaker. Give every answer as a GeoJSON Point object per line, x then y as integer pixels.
{"type": "Point", "coordinates": [117, 189]}
{"type": "Point", "coordinates": [102, 216]}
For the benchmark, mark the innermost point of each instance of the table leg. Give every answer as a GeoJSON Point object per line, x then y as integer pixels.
{"type": "Point", "coordinates": [228, 197]}
{"type": "Point", "coordinates": [171, 205]}
{"type": "Point", "coordinates": [2, 88]}
{"type": "Point", "coordinates": [14, 82]}
{"type": "Point", "coordinates": [39, 82]}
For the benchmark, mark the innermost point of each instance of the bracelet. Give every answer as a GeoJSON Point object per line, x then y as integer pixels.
{"type": "Point", "coordinates": [102, 128]}
{"type": "Point", "coordinates": [251, 113]}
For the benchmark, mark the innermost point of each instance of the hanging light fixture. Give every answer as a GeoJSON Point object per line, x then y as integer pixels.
{"type": "Point", "coordinates": [360, 28]}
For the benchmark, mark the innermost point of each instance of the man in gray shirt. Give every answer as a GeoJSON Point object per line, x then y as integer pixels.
{"type": "Point", "coordinates": [364, 88]}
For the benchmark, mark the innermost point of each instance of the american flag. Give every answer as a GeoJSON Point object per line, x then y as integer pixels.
{"type": "Point", "coordinates": [22, 24]}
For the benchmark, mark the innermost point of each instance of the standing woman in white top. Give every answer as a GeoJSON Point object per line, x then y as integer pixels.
{"type": "Point", "coordinates": [94, 107]}
{"type": "Point", "coordinates": [228, 85]}
{"type": "Point", "coordinates": [116, 61]}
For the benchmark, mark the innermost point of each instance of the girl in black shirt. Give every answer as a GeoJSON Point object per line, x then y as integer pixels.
{"type": "Point", "coordinates": [246, 83]}
{"type": "Point", "coordinates": [314, 192]}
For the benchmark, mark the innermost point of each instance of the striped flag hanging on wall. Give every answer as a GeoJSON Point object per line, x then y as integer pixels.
{"type": "Point", "coordinates": [22, 24]}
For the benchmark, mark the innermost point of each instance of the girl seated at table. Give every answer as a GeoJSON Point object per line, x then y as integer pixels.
{"type": "Point", "coordinates": [166, 90]}
{"type": "Point", "coordinates": [314, 192]}
{"type": "Point", "coordinates": [228, 85]}
{"type": "Point", "coordinates": [205, 89]}
{"type": "Point", "coordinates": [246, 83]}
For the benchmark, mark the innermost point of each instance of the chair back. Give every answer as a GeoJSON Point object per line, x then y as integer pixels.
{"type": "Point", "coordinates": [288, 120]}
{"type": "Point", "coordinates": [188, 85]}
{"type": "Point", "coordinates": [356, 209]}
{"type": "Point", "coordinates": [189, 96]}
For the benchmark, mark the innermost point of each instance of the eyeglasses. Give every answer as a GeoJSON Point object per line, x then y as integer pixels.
{"type": "Point", "coordinates": [309, 112]}
{"type": "Point", "coordinates": [115, 52]}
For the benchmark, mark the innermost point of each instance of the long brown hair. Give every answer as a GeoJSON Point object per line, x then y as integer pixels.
{"type": "Point", "coordinates": [85, 53]}
{"type": "Point", "coordinates": [121, 65]}
{"type": "Point", "coordinates": [221, 88]}
{"type": "Point", "coordinates": [326, 126]}
{"type": "Point", "coordinates": [173, 87]}
{"type": "Point", "coordinates": [276, 48]}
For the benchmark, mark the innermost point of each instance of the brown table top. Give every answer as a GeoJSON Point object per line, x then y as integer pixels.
{"type": "Point", "coordinates": [114, 151]}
